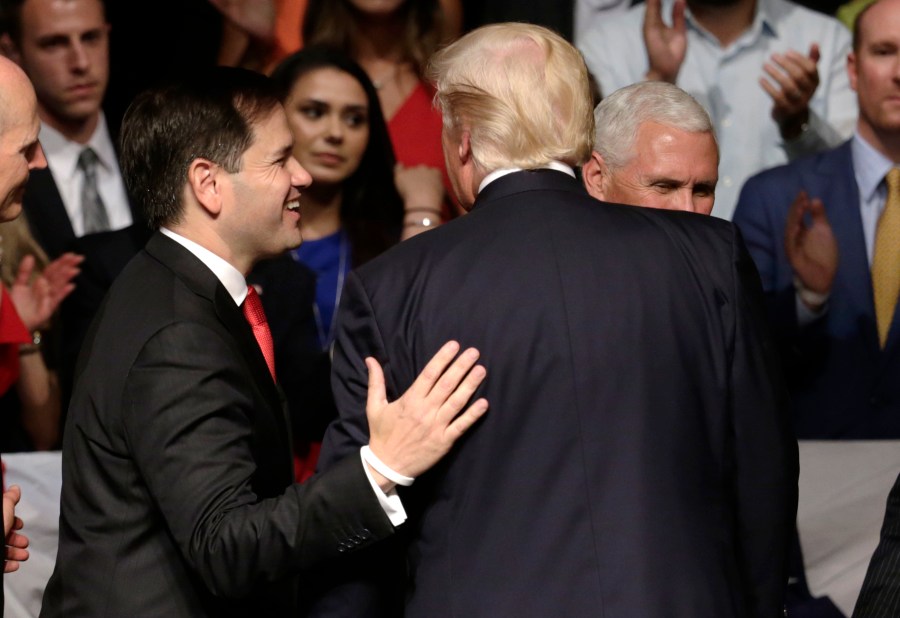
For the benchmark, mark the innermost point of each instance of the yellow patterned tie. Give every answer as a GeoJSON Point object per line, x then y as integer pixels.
{"type": "Point", "coordinates": [886, 261]}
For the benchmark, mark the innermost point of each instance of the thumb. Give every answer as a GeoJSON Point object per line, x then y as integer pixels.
{"type": "Point", "coordinates": [814, 54]}
{"type": "Point", "coordinates": [376, 397]}
{"type": "Point", "coordinates": [13, 493]}
{"type": "Point", "coordinates": [817, 210]}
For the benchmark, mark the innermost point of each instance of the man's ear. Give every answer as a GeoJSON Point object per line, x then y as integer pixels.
{"type": "Point", "coordinates": [465, 147]}
{"type": "Point", "coordinates": [9, 49]}
{"type": "Point", "coordinates": [852, 69]}
{"type": "Point", "coordinates": [595, 175]}
{"type": "Point", "coordinates": [205, 183]}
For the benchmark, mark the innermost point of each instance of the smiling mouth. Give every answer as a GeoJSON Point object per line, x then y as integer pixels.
{"type": "Point", "coordinates": [293, 205]}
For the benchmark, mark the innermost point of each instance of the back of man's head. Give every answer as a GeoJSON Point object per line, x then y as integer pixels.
{"type": "Point", "coordinates": [209, 117]}
{"type": "Point", "coordinates": [521, 92]}
{"type": "Point", "coordinates": [618, 117]}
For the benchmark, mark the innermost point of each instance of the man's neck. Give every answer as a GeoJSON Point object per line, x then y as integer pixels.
{"type": "Point", "coordinates": [887, 143]}
{"type": "Point", "coordinates": [726, 23]}
{"type": "Point", "coordinates": [79, 131]}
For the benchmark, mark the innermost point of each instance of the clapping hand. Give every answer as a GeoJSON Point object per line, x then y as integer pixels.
{"type": "Point", "coordinates": [792, 84]}
{"type": "Point", "coordinates": [811, 249]}
{"type": "Point", "coordinates": [666, 45]}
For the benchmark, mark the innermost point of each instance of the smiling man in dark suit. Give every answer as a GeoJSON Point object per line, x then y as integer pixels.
{"type": "Point", "coordinates": [637, 460]}
{"type": "Point", "coordinates": [177, 494]}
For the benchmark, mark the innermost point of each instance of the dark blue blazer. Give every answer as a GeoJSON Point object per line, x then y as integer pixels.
{"type": "Point", "coordinates": [637, 457]}
{"type": "Point", "coordinates": [843, 385]}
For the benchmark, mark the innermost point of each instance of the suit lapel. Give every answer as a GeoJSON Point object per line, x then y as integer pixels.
{"type": "Point", "coordinates": [47, 216]}
{"type": "Point", "coordinates": [203, 282]}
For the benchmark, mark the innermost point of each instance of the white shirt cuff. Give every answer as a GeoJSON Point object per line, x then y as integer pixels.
{"type": "Point", "coordinates": [390, 501]}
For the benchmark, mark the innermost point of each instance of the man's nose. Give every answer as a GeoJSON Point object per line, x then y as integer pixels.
{"type": "Point", "coordinates": [78, 57]}
{"type": "Point", "coordinates": [299, 176]}
{"type": "Point", "coordinates": [38, 160]}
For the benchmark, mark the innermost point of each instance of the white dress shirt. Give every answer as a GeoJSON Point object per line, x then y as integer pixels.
{"type": "Point", "coordinates": [62, 160]}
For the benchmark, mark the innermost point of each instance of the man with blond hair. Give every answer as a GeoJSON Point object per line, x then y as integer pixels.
{"type": "Point", "coordinates": [637, 459]}
{"type": "Point", "coordinates": [654, 146]}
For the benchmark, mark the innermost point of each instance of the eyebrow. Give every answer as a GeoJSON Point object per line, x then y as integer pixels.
{"type": "Point", "coordinates": [284, 151]}
{"type": "Point", "coordinates": [351, 107]}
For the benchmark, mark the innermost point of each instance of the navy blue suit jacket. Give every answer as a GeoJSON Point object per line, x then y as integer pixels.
{"type": "Point", "coordinates": [637, 457]}
{"type": "Point", "coordinates": [843, 385]}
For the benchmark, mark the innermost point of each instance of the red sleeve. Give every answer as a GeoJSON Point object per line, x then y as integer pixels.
{"type": "Point", "coordinates": [12, 334]}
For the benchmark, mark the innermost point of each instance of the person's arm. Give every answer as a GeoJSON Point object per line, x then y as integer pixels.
{"type": "Point", "coordinates": [422, 191]}
{"type": "Point", "coordinates": [766, 462]}
{"type": "Point", "coordinates": [187, 416]}
{"type": "Point", "coordinates": [812, 102]}
{"type": "Point", "coordinates": [15, 543]}
{"type": "Point", "coordinates": [38, 390]}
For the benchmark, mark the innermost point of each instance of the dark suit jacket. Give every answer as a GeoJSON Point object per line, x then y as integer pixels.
{"type": "Point", "coordinates": [105, 255]}
{"type": "Point", "coordinates": [636, 459]}
{"type": "Point", "coordinates": [842, 384]}
{"type": "Point", "coordinates": [177, 479]}
{"type": "Point", "coordinates": [880, 594]}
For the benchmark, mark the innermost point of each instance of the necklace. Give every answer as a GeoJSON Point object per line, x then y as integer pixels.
{"type": "Point", "coordinates": [326, 339]}
{"type": "Point", "coordinates": [382, 81]}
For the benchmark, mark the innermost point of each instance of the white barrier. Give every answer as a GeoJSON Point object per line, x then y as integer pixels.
{"type": "Point", "coordinates": [843, 492]}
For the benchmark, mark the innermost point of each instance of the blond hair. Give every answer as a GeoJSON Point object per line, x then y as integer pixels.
{"type": "Point", "coordinates": [522, 93]}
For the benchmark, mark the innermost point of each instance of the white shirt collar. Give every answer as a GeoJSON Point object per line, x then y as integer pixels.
{"type": "Point", "coordinates": [62, 153]}
{"type": "Point", "coordinates": [230, 276]}
{"type": "Point", "coordinates": [559, 166]}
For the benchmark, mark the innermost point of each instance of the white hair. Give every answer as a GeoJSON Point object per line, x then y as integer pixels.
{"type": "Point", "coordinates": [618, 117]}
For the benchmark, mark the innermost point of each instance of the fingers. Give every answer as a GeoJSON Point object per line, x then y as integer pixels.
{"type": "Point", "coordinates": [816, 210]}
{"type": "Point", "coordinates": [653, 15]}
{"type": "Point", "coordinates": [16, 540]}
{"type": "Point", "coordinates": [377, 396]}
{"type": "Point", "coordinates": [26, 266]}
{"type": "Point", "coordinates": [678, 22]}
{"type": "Point", "coordinates": [796, 77]}
{"type": "Point", "coordinates": [433, 370]}
{"type": "Point", "coordinates": [793, 227]}
{"type": "Point", "coordinates": [15, 553]}
{"type": "Point", "coordinates": [464, 421]}
{"type": "Point", "coordinates": [814, 53]}
{"type": "Point", "coordinates": [453, 376]}
{"type": "Point", "coordinates": [462, 394]}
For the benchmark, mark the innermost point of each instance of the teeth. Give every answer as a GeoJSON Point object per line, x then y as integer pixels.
{"type": "Point", "coordinates": [294, 205]}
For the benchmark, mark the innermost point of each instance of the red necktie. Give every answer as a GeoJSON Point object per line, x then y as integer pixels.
{"type": "Point", "coordinates": [253, 311]}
